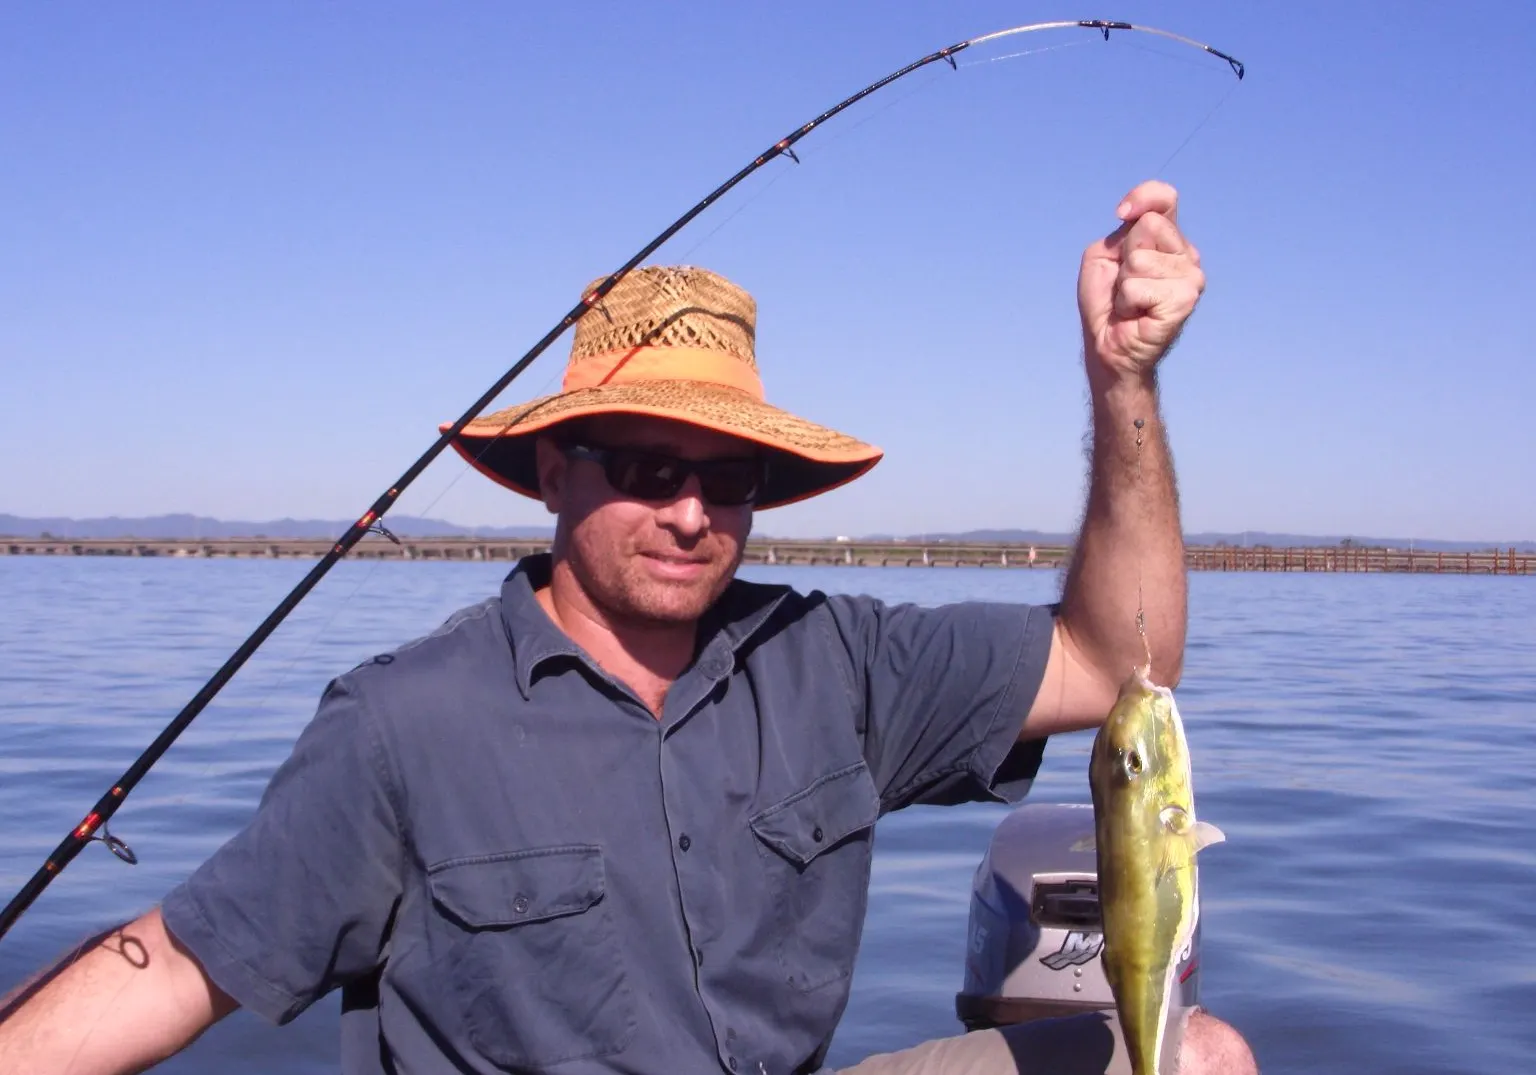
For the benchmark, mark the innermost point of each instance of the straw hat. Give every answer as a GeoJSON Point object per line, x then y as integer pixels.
{"type": "Point", "coordinates": [673, 342]}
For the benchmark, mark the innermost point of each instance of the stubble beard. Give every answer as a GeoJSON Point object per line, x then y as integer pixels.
{"type": "Point", "coordinates": [644, 600]}
{"type": "Point", "coordinates": [627, 595]}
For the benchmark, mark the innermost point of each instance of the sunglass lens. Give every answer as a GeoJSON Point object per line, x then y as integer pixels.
{"type": "Point", "coordinates": [729, 483]}
{"type": "Point", "coordinates": [647, 477]}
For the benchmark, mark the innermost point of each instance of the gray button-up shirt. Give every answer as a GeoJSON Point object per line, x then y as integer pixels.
{"type": "Point", "coordinates": [508, 864]}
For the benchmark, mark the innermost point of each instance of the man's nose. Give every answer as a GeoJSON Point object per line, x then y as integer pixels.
{"type": "Point", "coordinates": [686, 513]}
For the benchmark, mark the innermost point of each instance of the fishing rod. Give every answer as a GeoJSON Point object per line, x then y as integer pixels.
{"type": "Point", "coordinates": [94, 825]}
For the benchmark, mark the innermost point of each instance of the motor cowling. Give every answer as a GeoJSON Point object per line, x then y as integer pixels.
{"type": "Point", "coordinates": [1035, 935]}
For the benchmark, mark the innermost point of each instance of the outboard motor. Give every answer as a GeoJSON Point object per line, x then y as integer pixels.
{"type": "Point", "coordinates": [1035, 935]}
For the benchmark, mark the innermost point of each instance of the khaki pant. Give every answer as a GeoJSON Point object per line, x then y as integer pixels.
{"type": "Point", "coordinates": [1072, 1045]}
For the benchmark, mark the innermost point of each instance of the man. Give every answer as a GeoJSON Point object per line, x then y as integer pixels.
{"type": "Point", "coordinates": [620, 817]}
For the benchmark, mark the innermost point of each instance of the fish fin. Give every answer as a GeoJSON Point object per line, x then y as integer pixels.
{"type": "Point", "coordinates": [1205, 834]}
{"type": "Point", "coordinates": [1180, 822]}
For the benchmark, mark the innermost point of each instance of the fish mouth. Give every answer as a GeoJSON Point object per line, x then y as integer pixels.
{"type": "Point", "coordinates": [1142, 675]}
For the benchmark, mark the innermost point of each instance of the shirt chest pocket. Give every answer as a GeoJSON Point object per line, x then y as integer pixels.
{"type": "Point", "coordinates": [816, 847]}
{"type": "Point", "coordinates": [534, 964]}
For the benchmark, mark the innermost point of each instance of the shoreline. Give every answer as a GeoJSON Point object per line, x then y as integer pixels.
{"type": "Point", "coordinates": [808, 553]}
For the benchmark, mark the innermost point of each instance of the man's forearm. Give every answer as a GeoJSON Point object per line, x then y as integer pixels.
{"type": "Point", "coordinates": [1136, 288]}
{"type": "Point", "coordinates": [1130, 550]}
{"type": "Point", "coordinates": [120, 1003]}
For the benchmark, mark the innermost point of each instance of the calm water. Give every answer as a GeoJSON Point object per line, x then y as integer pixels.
{"type": "Point", "coordinates": [1367, 743]}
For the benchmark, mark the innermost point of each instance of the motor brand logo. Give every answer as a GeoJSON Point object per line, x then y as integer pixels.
{"type": "Point", "coordinates": [979, 940]}
{"type": "Point", "coordinates": [1079, 947]}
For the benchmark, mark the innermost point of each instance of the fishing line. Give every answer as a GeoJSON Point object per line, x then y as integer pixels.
{"type": "Point", "coordinates": [1141, 608]}
{"type": "Point", "coordinates": [109, 802]}
{"type": "Point", "coordinates": [346, 603]}
{"type": "Point", "coordinates": [285, 673]}
{"type": "Point", "coordinates": [1140, 423]}
{"type": "Point", "coordinates": [830, 145]}
{"type": "Point", "coordinates": [761, 190]}
{"type": "Point", "coordinates": [826, 149]}
{"type": "Point", "coordinates": [1179, 58]}
{"type": "Point", "coordinates": [1163, 168]}
{"type": "Point", "coordinates": [1025, 52]}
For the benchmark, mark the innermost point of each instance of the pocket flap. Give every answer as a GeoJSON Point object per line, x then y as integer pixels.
{"type": "Point", "coordinates": [830, 810]}
{"type": "Point", "coordinates": [519, 886]}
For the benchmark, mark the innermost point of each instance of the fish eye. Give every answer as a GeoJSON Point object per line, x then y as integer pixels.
{"type": "Point", "coordinates": [1133, 763]}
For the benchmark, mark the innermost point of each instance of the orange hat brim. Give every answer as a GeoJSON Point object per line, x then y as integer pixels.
{"type": "Point", "coordinates": [805, 459]}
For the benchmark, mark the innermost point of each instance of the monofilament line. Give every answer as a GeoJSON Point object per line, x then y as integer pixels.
{"type": "Point", "coordinates": [1025, 52]}
{"type": "Point", "coordinates": [1141, 610]}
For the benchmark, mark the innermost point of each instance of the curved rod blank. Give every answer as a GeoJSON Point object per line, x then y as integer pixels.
{"type": "Point", "coordinates": [1104, 26]}
{"type": "Point", "coordinates": [99, 814]}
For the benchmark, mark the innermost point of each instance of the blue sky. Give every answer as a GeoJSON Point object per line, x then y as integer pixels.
{"type": "Point", "coordinates": [251, 255]}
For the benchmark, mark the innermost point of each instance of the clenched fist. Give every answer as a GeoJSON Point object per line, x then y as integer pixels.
{"type": "Point", "coordinates": [1138, 286]}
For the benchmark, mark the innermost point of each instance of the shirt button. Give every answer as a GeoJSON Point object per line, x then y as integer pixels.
{"type": "Point", "coordinates": [733, 1063]}
{"type": "Point", "coordinates": [520, 905]}
{"type": "Point", "coordinates": [683, 842]}
{"type": "Point", "coordinates": [816, 834]}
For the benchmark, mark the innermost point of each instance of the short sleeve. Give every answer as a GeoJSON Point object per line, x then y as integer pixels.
{"type": "Point", "coordinates": [299, 902]}
{"type": "Point", "coordinates": [945, 692]}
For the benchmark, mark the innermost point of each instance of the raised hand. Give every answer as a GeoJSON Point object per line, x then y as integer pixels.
{"type": "Point", "coordinates": [1138, 285]}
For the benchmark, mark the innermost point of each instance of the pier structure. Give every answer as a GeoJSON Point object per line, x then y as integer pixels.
{"type": "Point", "coordinates": [801, 552]}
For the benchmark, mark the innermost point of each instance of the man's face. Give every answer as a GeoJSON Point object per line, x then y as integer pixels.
{"type": "Point", "coordinates": [660, 560]}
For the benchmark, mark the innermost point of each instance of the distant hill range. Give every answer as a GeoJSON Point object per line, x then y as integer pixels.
{"type": "Point", "coordinates": [197, 526]}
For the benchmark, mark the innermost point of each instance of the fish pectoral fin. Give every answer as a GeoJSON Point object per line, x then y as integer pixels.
{"type": "Point", "coordinates": [1180, 822]}
{"type": "Point", "coordinates": [1204, 834]}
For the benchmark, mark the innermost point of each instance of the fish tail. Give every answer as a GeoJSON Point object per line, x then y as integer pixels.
{"type": "Point", "coordinates": [1143, 1025]}
{"type": "Point", "coordinates": [1141, 1035]}
{"type": "Point", "coordinates": [1144, 1061]}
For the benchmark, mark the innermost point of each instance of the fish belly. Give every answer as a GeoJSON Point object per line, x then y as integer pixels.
{"type": "Point", "coordinates": [1146, 922]}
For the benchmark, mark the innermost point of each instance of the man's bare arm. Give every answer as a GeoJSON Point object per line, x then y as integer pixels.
{"type": "Point", "coordinates": [121, 1003]}
{"type": "Point", "coordinates": [1136, 289]}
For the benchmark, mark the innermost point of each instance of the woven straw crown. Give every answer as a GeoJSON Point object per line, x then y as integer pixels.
{"type": "Point", "coordinates": [672, 342]}
{"type": "Point", "coordinates": [668, 307]}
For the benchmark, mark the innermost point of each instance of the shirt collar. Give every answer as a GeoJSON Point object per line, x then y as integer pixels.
{"type": "Point", "coordinates": [532, 634]}
{"type": "Point", "coordinates": [742, 611]}
{"type": "Point", "coordinates": [730, 624]}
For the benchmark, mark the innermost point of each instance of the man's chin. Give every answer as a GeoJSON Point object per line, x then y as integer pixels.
{"type": "Point", "coordinates": [674, 608]}
{"type": "Point", "coordinates": [674, 603]}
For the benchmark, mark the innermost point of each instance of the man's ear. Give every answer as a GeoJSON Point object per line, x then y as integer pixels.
{"type": "Point", "coordinates": [550, 463]}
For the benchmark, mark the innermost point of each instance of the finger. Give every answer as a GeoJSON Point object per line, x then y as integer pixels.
{"type": "Point", "coordinates": [1153, 196]}
{"type": "Point", "coordinates": [1107, 248]}
{"type": "Point", "coordinates": [1156, 232]}
{"type": "Point", "coordinates": [1161, 299]}
{"type": "Point", "coordinates": [1157, 265]}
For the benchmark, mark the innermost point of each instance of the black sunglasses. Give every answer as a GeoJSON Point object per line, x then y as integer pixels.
{"type": "Point", "coordinates": [654, 476]}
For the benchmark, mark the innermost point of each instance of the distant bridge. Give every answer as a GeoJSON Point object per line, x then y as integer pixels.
{"type": "Point", "coordinates": [1332, 558]}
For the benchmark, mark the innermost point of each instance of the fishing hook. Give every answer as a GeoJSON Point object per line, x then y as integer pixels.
{"type": "Point", "coordinates": [107, 805]}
